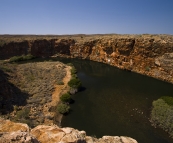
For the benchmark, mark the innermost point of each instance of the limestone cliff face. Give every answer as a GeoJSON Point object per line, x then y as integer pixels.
{"type": "Point", "coordinates": [20, 133]}
{"type": "Point", "coordinates": [146, 56]}
{"type": "Point", "coordinates": [152, 56]}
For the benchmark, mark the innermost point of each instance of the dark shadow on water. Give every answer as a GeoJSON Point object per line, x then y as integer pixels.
{"type": "Point", "coordinates": [69, 113]}
{"type": "Point", "coordinates": [82, 89]}
{"type": "Point", "coordinates": [72, 101]}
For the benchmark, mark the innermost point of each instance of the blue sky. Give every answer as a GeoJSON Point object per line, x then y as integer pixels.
{"type": "Point", "coordinates": [86, 16]}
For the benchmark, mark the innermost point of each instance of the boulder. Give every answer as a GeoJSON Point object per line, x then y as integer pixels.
{"type": "Point", "coordinates": [9, 126]}
{"type": "Point", "coordinates": [20, 133]}
{"type": "Point", "coordinates": [47, 134]}
{"type": "Point", "coordinates": [17, 137]}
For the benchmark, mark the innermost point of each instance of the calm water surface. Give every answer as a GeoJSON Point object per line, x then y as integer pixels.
{"type": "Point", "coordinates": [116, 102]}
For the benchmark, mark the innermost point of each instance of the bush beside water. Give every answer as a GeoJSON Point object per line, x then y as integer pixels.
{"type": "Point", "coordinates": [65, 97]}
{"type": "Point", "coordinates": [168, 100]}
{"type": "Point", "coordinates": [63, 108]}
{"type": "Point", "coordinates": [162, 114]}
{"type": "Point", "coordinates": [21, 58]}
{"type": "Point", "coordinates": [75, 84]}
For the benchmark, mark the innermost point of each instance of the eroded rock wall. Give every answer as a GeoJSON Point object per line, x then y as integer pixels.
{"type": "Point", "coordinates": [150, 56]}
{"type": "Point", "coordinates": [146, 56]}
{"type": "Point", "coordinates": [14, 49]}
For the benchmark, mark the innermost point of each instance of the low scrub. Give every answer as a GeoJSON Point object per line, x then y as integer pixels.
{"type": "Point", "coordinates": [63, 108]}
{"type": "Point", "coordinates": [73, 70]}
{"type": "Point", "coordinates": [69, 64]}
{"type": "Point", "coordinates": [21, 58]}
{"type": "Point", "coordinates": [23, 114]}
{"type": "Point", "coordinates": [162, 114]}
{"type": "Point", "coordinates": [168, 100]}
{"type": "Point", "coordinates": [75, 83]}
{"type": "Point", "coordinates": [66, 97]}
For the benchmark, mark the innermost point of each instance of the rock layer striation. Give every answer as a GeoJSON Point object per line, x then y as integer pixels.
{"type": "Point", "coordinates": [150, 55]}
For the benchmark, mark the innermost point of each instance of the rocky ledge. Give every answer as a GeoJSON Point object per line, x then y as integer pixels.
{"type": "Point", "coordinates": [11, 132]}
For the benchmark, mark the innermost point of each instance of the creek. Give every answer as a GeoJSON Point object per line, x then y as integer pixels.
{"type": "Point", "coordinates": [115, 102]}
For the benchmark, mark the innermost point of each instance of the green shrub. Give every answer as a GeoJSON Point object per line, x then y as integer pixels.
{"type": "Point", "coordinates": [73, 70]}
{"type": "Point", "coordinates": [168, 100]}
{"type": "Point", "coordinates": [65, 97]}
{"type": "Point", "coordinates": [75, 83]}
{"type": "Point", "coordinates": [16, 59]}
{"type": "Point", "coordinates": [70, 64]}
{"type": "Point", "coordinates": [162, 115]}
{"type": "Point", "coordinates": [28, 122]}
{"type": "Point", "coordinates": [63, 108]}
{"type": "Point", "coordinates": [28, 57]}
{"type": "Point", "coordinates": [23, 114]}
{"type": "Point", "coordinates": [21, 58]}
{"type": "Point", "coordinates": [74, 76]}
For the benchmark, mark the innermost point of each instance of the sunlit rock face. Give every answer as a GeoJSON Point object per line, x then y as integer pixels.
{"type": "Point", "coordinates": [145, 54]}
{"type": "Point", "coordinates": [20, 133]}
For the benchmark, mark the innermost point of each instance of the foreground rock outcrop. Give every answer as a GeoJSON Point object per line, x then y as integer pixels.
{"type": "Point", "coordinates": [20, 133]}
{"type": "Point", "coordinates": [145, 54]}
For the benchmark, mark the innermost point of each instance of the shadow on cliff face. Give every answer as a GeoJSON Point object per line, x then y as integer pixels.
{"type": "Point", "coordinates": [10, 95]}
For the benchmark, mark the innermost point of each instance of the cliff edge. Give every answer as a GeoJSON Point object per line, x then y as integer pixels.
{"type": "Point", "coordinates": [150, 55]}
{"type": "Point", "coordinates": [11, 132]}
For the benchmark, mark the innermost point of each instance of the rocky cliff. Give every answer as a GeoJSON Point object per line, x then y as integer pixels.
{"type": "Point", "coordinates": [150, 55]}
{"type": "Point", "coordinates": [20, 133]}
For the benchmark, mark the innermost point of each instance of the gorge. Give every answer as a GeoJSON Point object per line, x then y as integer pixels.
{"type": "Point", "coordinates": [150, 55]}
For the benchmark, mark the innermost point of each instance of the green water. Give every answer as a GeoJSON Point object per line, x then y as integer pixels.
{"type": "Point", "coordinates": [116, 102]}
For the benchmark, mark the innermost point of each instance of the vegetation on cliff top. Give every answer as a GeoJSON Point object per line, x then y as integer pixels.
{"type": "Point", "coordinates": [5, 39]}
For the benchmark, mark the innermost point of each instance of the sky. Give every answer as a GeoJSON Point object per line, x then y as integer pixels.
{"type": "Point", "coordinates": [60, 17]}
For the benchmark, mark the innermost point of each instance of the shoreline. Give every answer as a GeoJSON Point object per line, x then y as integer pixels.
{"type": "Point", "coordinates": [59, 90]}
